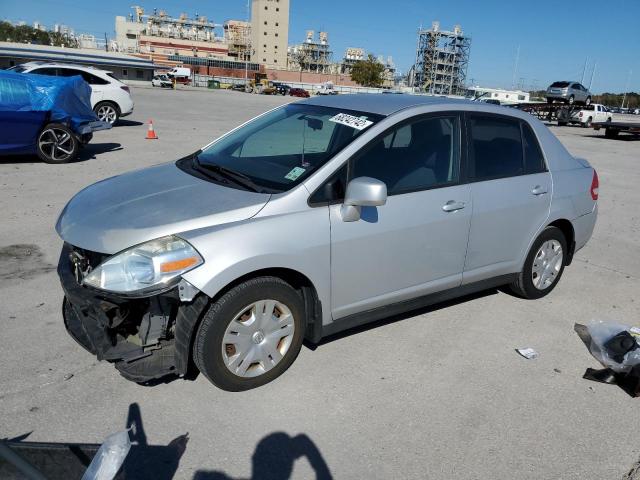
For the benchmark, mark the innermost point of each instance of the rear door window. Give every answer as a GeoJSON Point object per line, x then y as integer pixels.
{"type": "Point", "coordinates": [495, 147]}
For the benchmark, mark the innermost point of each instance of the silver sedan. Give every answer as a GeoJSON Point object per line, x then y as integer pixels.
{"type": "Point", "coordinates": [313, 218]}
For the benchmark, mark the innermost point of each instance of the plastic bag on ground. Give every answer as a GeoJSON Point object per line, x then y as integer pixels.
{"type": "Point", "coordinates": [614, 345]}
{"type": "Point", "coordinates": [109, 458]}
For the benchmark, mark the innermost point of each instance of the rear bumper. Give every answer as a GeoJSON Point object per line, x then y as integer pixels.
{"type": "Point", "coordinates": [146, 338]}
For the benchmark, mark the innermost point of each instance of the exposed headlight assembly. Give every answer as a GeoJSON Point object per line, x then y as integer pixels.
{"type": "Point", "coordinates": [151, 266]}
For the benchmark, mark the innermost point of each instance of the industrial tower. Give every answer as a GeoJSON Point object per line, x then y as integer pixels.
{"type": "Point", "coordinates": [442, 58]}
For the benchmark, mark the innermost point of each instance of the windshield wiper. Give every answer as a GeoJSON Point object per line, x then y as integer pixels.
{"type": "Point", "coordinates": [236, 177]}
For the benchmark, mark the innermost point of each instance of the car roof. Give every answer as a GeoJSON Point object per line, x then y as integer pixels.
{"type": "Point", "coordinates": [67, 65]}
{"type": "Point", "coordinates": [383, 104]}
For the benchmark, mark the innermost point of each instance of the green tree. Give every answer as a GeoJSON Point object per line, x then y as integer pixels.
{"type": "Point", "coordinates": [368, 73]}
{"type": "Point", "coordinates": [27, 34]}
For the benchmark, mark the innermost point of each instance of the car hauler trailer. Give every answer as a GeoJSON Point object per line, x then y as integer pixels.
{"type": "Point", "coordinates": [561, 113]}
{"type": "Point", "coordinates": [613, 129]}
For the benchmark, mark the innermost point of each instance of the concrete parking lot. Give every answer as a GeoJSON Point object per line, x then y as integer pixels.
{"type": "Point", "coordinates": [437, 394]}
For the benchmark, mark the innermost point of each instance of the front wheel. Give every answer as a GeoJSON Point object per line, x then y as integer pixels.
{"type": "Point", "coordinates": [587, 102]}
{"type": "Point", "coordinates": [107, 112]}
{"type": "Point", "coordinates": [544, 265]}
{"type": "Point", "coordinates": [251, 335]}
{"type": "Point", "coordinates": [57, 144]}
{"type": "Point", "coordinates": [572, 100]}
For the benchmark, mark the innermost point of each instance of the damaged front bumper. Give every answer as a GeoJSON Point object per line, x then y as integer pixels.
{"type": "Point", "coordinates": [146, 338]}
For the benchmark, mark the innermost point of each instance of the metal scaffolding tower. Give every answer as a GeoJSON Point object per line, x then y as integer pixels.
{"type": "Point", "coordinates": [442, 58]}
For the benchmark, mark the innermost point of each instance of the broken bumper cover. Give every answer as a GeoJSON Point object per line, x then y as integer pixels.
{"type": "Point", "coordinates": [146, 338]}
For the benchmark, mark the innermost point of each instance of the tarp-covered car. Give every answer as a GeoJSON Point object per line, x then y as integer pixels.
{"type": "Point", "coordinates": [48, 116]}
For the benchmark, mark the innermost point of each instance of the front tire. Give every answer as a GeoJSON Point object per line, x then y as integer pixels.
{"type": "Point", "coordinates": [587, 102]}
{"type": "Point", "coordinates": [544, 265]}
{"type": "Point", "coordinates": [251, 335]}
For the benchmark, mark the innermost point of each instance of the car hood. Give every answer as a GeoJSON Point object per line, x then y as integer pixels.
{"type": "Point", "coordinates": [122, 211]}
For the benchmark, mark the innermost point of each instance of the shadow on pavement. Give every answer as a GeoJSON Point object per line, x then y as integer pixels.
{"type": "Point", "coordinates": [274, 458]}
{"type": "Point", "coordinates": [128, 123]}
{"type": "Point", "coordinates": [70, 460]}
{"type": "Point", "coordinates": [88, 152]}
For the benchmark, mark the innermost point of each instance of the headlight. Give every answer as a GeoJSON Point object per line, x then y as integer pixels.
{"type": "Point", "coordinates": [152, 265]}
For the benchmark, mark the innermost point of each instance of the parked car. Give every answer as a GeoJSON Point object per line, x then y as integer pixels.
{"type": "Point", "coordinates": [589, 114]}
{"type": "Point", "coordinates": [313, 218]}
{"type": "Point", "coordinates": [568, 92]}
{"type": "Point", "coordinates": [281, 88]}
{"type": "Point", "coordinates": [110, 98]}
{"type": "Point", "coordinates": [238, 87]}
{"type": "Point", "coordinates": [161, 81]}
{"type": "Point", "coordinates": [299, 92]}
{"type": "Point", "coordinates": [326, 89]}
{"type": "Point", "coordinates": [45, 116]}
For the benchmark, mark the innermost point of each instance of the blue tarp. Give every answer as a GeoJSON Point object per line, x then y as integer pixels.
{"type": "Point", "coordinates": [67, 98]}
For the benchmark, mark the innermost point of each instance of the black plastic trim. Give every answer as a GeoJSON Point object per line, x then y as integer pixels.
{"type": "Point", "coordinates": [358, 319]}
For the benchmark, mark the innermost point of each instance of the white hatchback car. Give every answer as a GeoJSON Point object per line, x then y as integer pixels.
{"type": "Point", "coordinates": [110, 98]}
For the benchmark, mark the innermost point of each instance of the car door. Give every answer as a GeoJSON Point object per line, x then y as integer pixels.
{"type": "Point", "coordinates": [416, 243]}
{"type": "Point", "coordinates": [511, 192]}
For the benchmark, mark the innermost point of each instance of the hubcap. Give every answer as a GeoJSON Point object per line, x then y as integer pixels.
{"type": "Point", "coordinates": [258, 338]}
{"type": "Point", "coordinates": [107, 113]}
{"type": "Point", "coordinates": [547, 264]}
{"type": "Point", "coordinates": [56, 144]}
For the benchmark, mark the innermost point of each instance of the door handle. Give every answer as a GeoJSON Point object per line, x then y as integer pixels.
{"type": "Point", "coordinates": [452, 206]}
{"type": "Point", "coordinates": [538, 190]}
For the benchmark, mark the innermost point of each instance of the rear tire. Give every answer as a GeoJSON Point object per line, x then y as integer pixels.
{"type": "Point", "coordinates": [611, 133]}
{"type": "Point", "coordinates": [235, 315]}
{"type": "Point", "coordinates": [107, 112]}
{"type": "Point", "coordinates": [587, 124]}
{"type": "Point", "coordinates": [57, 143]}
{"type": "Point", "coordinates": [544, 265]}
{"type": "Point", "coordinates": [571, 100]}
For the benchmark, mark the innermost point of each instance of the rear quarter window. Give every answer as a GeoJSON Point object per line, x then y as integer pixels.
{"type": "Point", "coordinates": [533, 158]}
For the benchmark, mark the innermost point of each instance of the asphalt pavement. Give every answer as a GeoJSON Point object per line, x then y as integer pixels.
{"type": "Point", "coordinates": [437, 394]}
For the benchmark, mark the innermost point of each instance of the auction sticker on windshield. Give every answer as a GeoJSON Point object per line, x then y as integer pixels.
{"type": "Point", "coordinates": [295, 173]}
{"type": "Point", "coordinates": [359, 123]}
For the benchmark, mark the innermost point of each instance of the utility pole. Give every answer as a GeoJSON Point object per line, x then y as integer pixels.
{"type": "Point", "coordinates": [593, 72]}
{"type": "Point", "coordinates": [515, 69]}
{"type": "Point", "coordinates": [247, 46]}
{"type": "Point", "coordinates": [624, 97]}
{"type": "Point", "coordinates": [584, 69]}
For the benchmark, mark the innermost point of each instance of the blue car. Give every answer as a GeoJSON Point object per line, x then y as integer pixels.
{"type": "Point", "coordinates": [47, 116]}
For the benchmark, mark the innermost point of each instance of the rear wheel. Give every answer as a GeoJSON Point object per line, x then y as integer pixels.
{"type": "Point", "coordinates": [572, 100]}
{"type": "Point", "coordinates": [250, 335]}
{"type": "Point", "coordinates": [611, 133]}
{"type": "Point", "coordinates": [57, 144]}
{"type": "Point", "coordinates": [587, 124]}
{"type": "Point", "coordinates": [544, 265]}
{"type": "Point", "coordinates": [107, 112]}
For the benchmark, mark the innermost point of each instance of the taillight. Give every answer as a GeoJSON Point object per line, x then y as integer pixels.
{"type": "Point", "coordinates": [125, 88]}
{"type": "Point", "coordinates": [595, 184]}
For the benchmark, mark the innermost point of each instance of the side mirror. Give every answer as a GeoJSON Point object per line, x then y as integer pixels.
{"type": "Point", "coordinates": [362, 192]}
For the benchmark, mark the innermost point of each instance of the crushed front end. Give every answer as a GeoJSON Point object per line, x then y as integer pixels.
{"type": "Point", "coordinates": [146, 337]}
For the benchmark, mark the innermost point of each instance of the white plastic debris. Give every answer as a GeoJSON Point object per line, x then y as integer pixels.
{"type": "Point", "coordinates": [528, 353]}
{"type": "Point", "coordinates": [615, 345]}
{"type": "Point", "coordinates": [109, 458]}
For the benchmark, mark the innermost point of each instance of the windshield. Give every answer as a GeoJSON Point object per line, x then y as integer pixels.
{"type": "Point", "coordinates": [280, 149]}
{"type": "Point", "coordinates": [560, 85]}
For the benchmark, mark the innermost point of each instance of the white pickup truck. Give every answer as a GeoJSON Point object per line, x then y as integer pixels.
{"type": "Point", "coordinates": [590, 114]}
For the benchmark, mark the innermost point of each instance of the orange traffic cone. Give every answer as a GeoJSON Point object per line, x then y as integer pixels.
{"type": "Point", "coordinates": [151, 133]}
